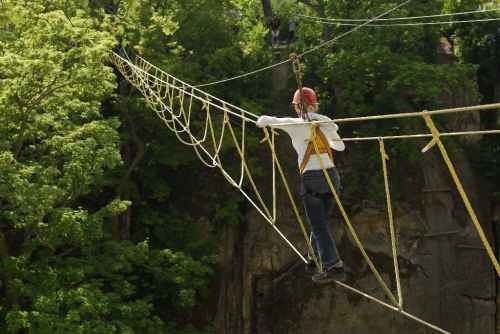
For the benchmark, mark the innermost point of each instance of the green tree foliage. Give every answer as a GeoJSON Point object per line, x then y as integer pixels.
{"type": "Point", "coordinates": [107, 224]}
{"type": "Point", "coordinates": [56, 148]}
{"type": "Point", "coordinates": [110, 289]}
{"type": "Point", "coordinates": [60, 270]}
{"type": "Point", "coordinates": [100, 229]}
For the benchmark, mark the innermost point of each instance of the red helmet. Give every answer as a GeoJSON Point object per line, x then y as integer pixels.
{"type": "Point", "coordinates": [308, 94]}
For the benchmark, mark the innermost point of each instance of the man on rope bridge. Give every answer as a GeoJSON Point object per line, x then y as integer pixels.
{"type": "Point", "coordinates": [315, 191]}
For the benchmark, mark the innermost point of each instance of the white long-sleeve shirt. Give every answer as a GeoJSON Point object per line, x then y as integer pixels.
{"type": "Point", "coordinates": [300, 133]}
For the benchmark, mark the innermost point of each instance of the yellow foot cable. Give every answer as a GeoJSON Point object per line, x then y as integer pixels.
{"type": "Point", "coordinates": [347, 221]}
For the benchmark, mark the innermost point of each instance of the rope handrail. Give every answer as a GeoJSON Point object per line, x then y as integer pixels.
{"type": "Point", "coordinates": [403, 18]}
{"type": "Point", "coordinates": [402, 115]}
{"type": "Point", "coordinates": [340, 120]}
{"type": "Point", "coordinates": [422, 135]}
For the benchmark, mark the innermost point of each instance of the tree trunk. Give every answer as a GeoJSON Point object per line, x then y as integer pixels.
{"type": "Point", "coordinates": [122, 224]}
{"type": "Point", "coordinates": [268, 10]}
{"type": "Point", "coordinates": [229, 317]}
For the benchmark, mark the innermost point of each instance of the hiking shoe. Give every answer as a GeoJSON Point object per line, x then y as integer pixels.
{"type": "Point", "coordinates": [330, 275]}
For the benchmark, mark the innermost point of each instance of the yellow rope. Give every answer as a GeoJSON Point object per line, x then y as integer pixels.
{"type": "Point", "coordinates": [492, 106]}
{"type": "Point", "coordinates": [186, 116]}
{"type": "Point", "coordinates": [216, 146]}
{"type": "Point", "coordinates": [460, 188]}
{"type": "Point", "coordinates": [273, 143]}
{"type": "Point", "coordinates": [391, 307]}
{"type": "Point", "coordinates": [384, 157]}
{"type": "Point", "coordinates": [243, 146]}
{"type": "Point", "coordinates": [247, 171]}
{"type": "Point", "coordinates": [348, 221]}
{"type": "Point", "coordinates": [317, 261]}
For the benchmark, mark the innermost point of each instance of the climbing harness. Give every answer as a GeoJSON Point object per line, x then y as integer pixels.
{"type": "Point", "coordinates": [318, 140]}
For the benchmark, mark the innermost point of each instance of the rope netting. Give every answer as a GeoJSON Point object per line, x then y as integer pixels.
{"type": "Point", "coordinates": [216, 129]}
{"type": "Point", "coordinates": [412, 24]}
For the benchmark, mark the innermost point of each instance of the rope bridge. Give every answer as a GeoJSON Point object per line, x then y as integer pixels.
{"type": "Point", "coordinates": [210, 125]}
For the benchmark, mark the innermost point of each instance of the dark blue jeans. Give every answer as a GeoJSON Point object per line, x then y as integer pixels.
{"type": "Point", "coordinates": [318, 201]}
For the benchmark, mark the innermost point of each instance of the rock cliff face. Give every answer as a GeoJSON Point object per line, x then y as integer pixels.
{"type": "Point", "coordinates": [447, 278]}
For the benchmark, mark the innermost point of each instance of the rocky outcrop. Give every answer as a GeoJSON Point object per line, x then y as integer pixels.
{"type": "Point", "coordinates": [446, 276]}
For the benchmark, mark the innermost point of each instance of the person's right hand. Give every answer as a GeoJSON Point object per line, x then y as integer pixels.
{"type": "Point", "coordinates": [261, 123]}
